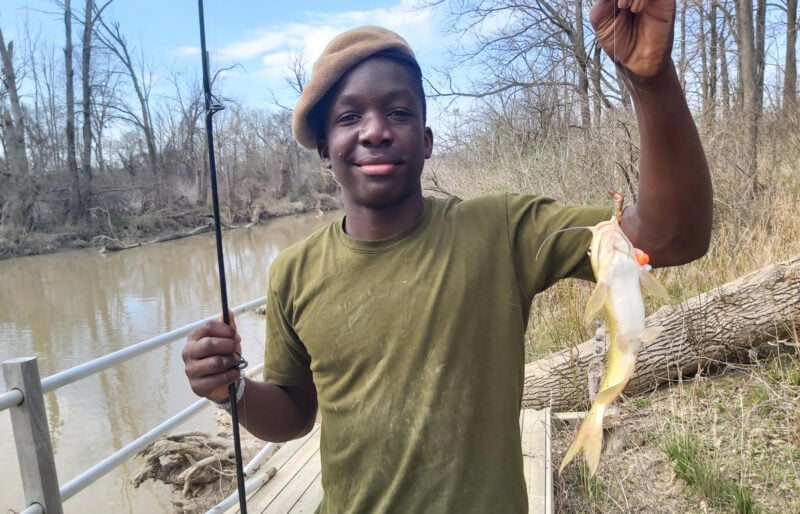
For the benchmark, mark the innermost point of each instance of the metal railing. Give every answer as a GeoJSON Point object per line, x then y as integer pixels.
{"type": "Point", "coordinates": [25, 401]}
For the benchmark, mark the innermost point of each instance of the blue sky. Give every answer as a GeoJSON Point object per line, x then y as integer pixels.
{"type": "Point", "coordinates": [260, 37]}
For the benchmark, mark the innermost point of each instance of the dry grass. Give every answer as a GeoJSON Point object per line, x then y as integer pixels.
{"type": "Point", "coordinates": [728, 443]}
{"type": "Point", "coordinates": [716, 444]}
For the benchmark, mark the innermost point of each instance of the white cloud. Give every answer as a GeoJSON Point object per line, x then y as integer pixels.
{"type": "Point", "coordinates": [266, 54]}
{"type": "Point", "coordinates": [187, 51]}
{"type": "Point", "coordinates": [269, 52]}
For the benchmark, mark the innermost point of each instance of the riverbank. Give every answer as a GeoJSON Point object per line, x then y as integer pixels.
{"type": "Point", "coordinates": [107, 234]}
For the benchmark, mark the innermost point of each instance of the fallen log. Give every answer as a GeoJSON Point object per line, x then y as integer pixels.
{"type": "Point", "coordinates": [115, 245]}
{"type": "Point", "coordinates": [202, 229]}
{"type": "Point", "coordinates": [731, 323]}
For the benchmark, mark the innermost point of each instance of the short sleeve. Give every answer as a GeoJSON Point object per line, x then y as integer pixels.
{"type": "Point", "coordinates": [286, 361]}
{"type": "Point", "coordinates": [542, 250]}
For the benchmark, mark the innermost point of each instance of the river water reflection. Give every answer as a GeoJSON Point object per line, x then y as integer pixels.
{"type": "Point", "coordinates": [68, 308]}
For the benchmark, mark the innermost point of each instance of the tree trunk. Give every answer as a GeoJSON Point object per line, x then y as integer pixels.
{"type": "Point", "coordinates": [582, 63]}
{"type": "Point", "coordinates": [19, 191]}
{"type": "Point", "coordinates": [597, 84]}
{"type": "Point", "coordinates": [724, 76]}
{"type": "Point", "coordinates": [86, 84]}
{"type": "Point", "coordinates": [730, 323]}
{"type": "Point", "coordinates": [790, 67]}
{"type": "Point", "coordinates": [713, 57]}
{"type": "Point", "coordinates": [75, 203]}
{"type": "Point", "coordinates": [115, 41]}
{"type": "Point", "coordinates": [15, 123]}
{"type": "Point", "coordinates": [703, 48]}
{"type": "Point", "coordinates": [748, 81]}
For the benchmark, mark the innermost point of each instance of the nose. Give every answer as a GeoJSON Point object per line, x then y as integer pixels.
{"type": "Point", "coordinates": [375, 130]}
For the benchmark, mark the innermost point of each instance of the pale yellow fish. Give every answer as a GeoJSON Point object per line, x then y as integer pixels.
{"type": "Point", "coordinates": [620, 271]}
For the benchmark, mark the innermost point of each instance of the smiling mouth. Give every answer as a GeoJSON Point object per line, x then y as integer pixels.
{"type": "Point", "coordinates": [376, 169]}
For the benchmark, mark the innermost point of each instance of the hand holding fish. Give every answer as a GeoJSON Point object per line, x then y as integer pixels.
{"type": "Point", "coordinates": [672, 215]}
{"type": "Point", "coordinates": [637, 34]}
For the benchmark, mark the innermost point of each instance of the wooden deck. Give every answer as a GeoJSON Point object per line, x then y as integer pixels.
{"type": "Point", "coordinates": [297, 487]}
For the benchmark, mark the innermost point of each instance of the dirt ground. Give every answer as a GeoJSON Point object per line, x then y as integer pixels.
{"type": "Point", "coordinates": [743, 423]}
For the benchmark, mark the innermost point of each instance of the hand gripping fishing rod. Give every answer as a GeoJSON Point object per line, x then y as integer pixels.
{"type": "Point", "coordinates": [211, 108]}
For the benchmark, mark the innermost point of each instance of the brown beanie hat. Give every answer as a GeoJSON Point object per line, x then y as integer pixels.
{"type": "Point", "coordinates": [342, 53]}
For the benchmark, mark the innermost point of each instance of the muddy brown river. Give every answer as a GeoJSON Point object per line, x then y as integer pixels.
{"type": "Point", "coordinates": [72, 307]}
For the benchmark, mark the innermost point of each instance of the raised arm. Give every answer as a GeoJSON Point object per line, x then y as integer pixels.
{"type": "Point", "coordinates": [672, 217]}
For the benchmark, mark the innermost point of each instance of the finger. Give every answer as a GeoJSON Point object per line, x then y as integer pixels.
{"type": "Point", "coordinates": [213, 386]}
{"type": "Point", "coordinates": [209, 357]}
{"type": "Point", "coordinates": [637, 5]}
{"type": "Point", "coordinates": [209, 347]}
{"type": "Point", "coordinates": [231, 319]}
{"type": "Point", "coordinates": [212, 329]}
{"type": "Point", "coordinates": [602, 14]}
{"type": "Point", "coordinates": [606, 7]}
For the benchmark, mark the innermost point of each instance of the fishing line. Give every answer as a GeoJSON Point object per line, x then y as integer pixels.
{"type": "Point", "coordinates": [212, 106]}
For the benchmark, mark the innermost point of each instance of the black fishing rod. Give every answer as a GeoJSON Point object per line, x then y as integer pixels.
{"type": "Point", "coordinates": [212, 107]}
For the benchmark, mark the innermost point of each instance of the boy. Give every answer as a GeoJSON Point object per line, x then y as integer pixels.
{"type": "Point", "coordinates": [403, 322]}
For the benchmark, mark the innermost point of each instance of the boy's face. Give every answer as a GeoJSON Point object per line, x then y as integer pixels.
{"type": "Point", "coordinates": [375, 141]}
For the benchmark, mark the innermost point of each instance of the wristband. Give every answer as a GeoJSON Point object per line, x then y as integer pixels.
{"type": "Point", "coordinates": [226, 405]}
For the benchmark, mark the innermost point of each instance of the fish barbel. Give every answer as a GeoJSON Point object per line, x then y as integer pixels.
{"type": "Point", "coordinates": [621, 271]}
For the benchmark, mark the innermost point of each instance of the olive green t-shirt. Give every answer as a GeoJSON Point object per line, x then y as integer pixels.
{"type": "Point", "coordinates": [416, 347]}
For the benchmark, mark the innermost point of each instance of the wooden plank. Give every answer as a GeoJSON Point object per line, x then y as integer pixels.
{"type": "Point", "coordinates": [296, 449]}
{"type": "Point", "coordinates": [293, 492]}
{"type": "Point", "coordinates": [287, 472]}
{"type": "Point", "coordinates": [297, 487]}
{"type": "Point", "coordinates": [535, 433]}
{"type": "Point", "coordinates": [548, 488]}
{"type": "Point", "coordinates": [288, 449]}
{"type": "Point", "coordinates": [311, 499]}
{"type": "Point", "coordinates": [32, 436]}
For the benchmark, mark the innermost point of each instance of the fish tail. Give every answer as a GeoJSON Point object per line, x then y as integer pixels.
{"type": "Point", "coordinates": [589, 439]}
{"type": "Point", "coordinates": [590, 434]}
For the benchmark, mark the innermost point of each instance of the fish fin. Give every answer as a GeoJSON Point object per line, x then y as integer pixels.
{"type": "Point", "coordinates": [596, 301]}
{"type": "Point", "coordinates": [652, 285]}
{"type": "Point", "coordinates": [650, 333]}
{"type": "Point", "coordinates": [609, 394]}
{"type": "Point", "coordinates": [589, 439]}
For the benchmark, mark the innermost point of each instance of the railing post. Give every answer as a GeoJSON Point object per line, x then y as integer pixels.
{"type": "Point", "coordinates": [32, 436]}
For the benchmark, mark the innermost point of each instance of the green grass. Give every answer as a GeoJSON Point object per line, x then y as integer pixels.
{"type": "Point", "coordinates": [691, 464]}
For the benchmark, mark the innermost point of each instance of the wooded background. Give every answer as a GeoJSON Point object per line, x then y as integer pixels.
{"type": "Point", "coordinates": [90, 144]}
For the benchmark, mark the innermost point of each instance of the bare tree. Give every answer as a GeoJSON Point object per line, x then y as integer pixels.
{"type": "Point", "coordinates": [297, 76]}
{"type": "Point", "coordinates": [76, 201]}
{"type": "Point", "coordinates": [537, 46]}
{"type": "Point", "coordinates": [750, 40]}
{"type": "Point", "coordinates": [90, 15]}
{"type": "Point", "coordinates": [104, 96]}
{"type": "Point", "coordinates": [13, 132]}
{"type": "Point", "coordinates": [790, 66]}
{"type": "Point", "coordinates": [13, 119]}
{"type": "Point", "coordinates": [111, 37]}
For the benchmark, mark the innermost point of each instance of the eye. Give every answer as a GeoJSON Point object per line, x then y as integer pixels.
{"type": "Point", "coordinates": [347, 118]}
{"type": "Point", "coordinates": [400, 114]}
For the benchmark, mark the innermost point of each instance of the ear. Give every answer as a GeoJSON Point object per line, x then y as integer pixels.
{"type": "Point", "coordinates": [428, 142]}
{"type": "Point", "coordinates": [324, 153]}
